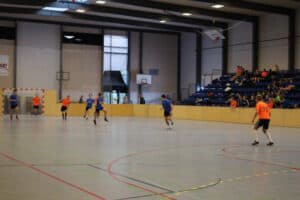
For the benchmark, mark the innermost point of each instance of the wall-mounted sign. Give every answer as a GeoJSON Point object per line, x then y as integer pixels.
{"type": "Point", "coordinates": [3, 65]}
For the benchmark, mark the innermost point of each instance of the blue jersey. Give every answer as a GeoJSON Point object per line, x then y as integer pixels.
{"type": "Point", "coordinates": [14, 99]}
{"type": "Point", "coordinates": [89, 102]}
{"type": "Point", "coordinates": [166, 105]}
{"type": "Point", "coordinates": [99, 103]}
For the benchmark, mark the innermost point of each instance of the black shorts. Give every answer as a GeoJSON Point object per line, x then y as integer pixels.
{"type": "Point", "coordinates": [63, 108]}
{"type": "Point", "coordinates": [98, 110]}
{"type": "Point", "coordinates": [167, 113]}
{"type": "Point", "coordinates": [13, 107]}
{"type": "Point", "coordinates": [262, 123]}
{"type": "Point", "coordinates": [87, 108]}
{"type": "Point", "coordinates": [36, 107]}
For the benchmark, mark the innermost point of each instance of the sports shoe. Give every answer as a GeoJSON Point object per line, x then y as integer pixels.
{"type": "Point", "coordinates": [105, 119]}
{"type": "Point", "coordinates": [270, 144]}
{"type": "Point", "coordinates": [255, 143]}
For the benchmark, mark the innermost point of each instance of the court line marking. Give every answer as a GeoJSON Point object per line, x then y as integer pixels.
{"type": "Point", "coordinates": [221, 181]}
{"type": "Point", "coordinates": [53, 177]}
{"type": "Point", "coordinates": [228, 153]}
{"type": "Point", "coordinates": [211, 184]}
{"type": "Point", "coordinates": [116, 177]}
{"type": "Point", "coordinates": [134, 179]}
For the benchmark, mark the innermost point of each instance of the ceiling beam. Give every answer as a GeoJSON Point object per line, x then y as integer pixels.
{"type": "Point", "coordinates": [251, 6]}
{"type": "Point", "coordinates": [4, 9]}
{"type": "Point", "coordinates": [28, 2]}
{"type": "Point", "coordinates": [147, 14]}
{"type": "Point", "coordinates": [133, 22]}
{"type": "Point", "coordinates": [183, 8]}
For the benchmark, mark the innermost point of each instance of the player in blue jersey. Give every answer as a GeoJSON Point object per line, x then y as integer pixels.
{"type": "Point", "coordinates": [167, 107]}
{"type": "Point", "coordinates": [99, 107]}
{"type": "Point", "coordinates": [89, 105]}
{"type": "Point", "coordinates": [13, 101]}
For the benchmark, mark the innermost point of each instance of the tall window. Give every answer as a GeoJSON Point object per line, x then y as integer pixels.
{"type": "Point", "coordinates": [115, 58]}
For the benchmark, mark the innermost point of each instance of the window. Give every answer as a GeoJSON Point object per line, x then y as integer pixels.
{"type": "Point", "coordinates": [115, 58]}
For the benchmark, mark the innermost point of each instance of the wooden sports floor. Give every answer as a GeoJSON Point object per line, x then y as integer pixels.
{"type": "Point", "coordinates": [44, 158]}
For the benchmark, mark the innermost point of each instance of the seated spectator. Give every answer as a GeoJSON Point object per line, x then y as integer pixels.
{"type": "Point", "coordinates": [275, 69]}
{"type": "Point", "coordinates": [227, 90]}
{"type": "Point", "coordinates": [233, 103]}
{"type": "Point", "coordinates": [252, 101]}
{"type": "Point", "coordinates": [264, 74]}
{"type": "Point", "coordinates": [278, 100]}
{"type": "Point", "coordinates": [239, 70]}
{"type": "Point", "coordinates": [244, 102]}
{"type": "Point", "coordinates": [290, 86]}
{"type": "Point", "coordinates": [210, 94]}
{"type": "Point", "coordinates": [270, 102]}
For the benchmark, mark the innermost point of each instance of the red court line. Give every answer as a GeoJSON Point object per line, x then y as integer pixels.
{"type": "Point", "coordinates": [232, 155]}
{"type": "Point", "coordinates": [29, 166]}
{"type": "Point", "coordinates": [115, 176]}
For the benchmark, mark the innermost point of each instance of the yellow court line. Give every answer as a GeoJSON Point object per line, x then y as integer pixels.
{"type": "Point", "coordinates": [235, 179]}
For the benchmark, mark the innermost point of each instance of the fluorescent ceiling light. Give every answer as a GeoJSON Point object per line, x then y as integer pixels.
{"type": "Point", "coordinates": [57, 9]}
{"type": "Point", "coordinates": [187, 14]}
{"type": "Point", "coordinates": [101, 2]}
{"type": "Point", "coordinates": [163, 21]}
{"type": "Point", "coordinates": [80, 10]}
{"type": "Point", "coordinates": [69, 36]}
{"type": "Point", "coordinates": [217, 6]}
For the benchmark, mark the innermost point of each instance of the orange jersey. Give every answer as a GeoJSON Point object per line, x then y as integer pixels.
{"type": "Point", "coordinates": [36, 101]}
{"type": "Point", "coordinates": [233, 103]}
{"type": "Point", "coordinates": [65, 102]}
{"type": "Point", "coordinates": [263, 110]}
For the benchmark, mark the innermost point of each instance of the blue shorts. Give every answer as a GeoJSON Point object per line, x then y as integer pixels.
{"type": "Point", "coordinates": [87, 108]}
{"type": "Point", "coordinates": [14, 106]}
{"type": "Point", "coordinates": [99, 109]}
{"type": "Point", "coordinates": [167, 113]}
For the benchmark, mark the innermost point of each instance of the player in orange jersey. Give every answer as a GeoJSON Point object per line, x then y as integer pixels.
{"type": "Point", "coordinates": [263, 111]}
{"type": "Point", "coordinates": [36, 102]}
{"type": "Point", "coordinates": [64, 108]}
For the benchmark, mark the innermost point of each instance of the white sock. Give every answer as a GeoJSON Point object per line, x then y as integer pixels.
{"type": "Point", "coordinates": [255, 132]}
{"type": "Point", "coordinates": [269, 136]}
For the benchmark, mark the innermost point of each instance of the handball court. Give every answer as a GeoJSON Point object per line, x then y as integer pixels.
{"type": "Point", "coordinates": [138, 158]}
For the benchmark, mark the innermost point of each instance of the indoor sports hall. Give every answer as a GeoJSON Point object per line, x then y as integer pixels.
{"type": "Point", "coordinates": [149, 100]}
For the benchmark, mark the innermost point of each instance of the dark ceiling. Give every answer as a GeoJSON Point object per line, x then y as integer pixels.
{"type": "Point", "coordinates": [179, 15]}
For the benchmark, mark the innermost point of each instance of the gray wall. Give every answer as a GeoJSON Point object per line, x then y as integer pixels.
{"type": "Point", "coordinates": [240, 46]}
{"type": "Point", "coordinates": [38, 55]}
{"type": "Point", "coordinates": [273, 41]}
{"type": "Point", "coordinates": [273, 45]}
{"type": "Point", "coordinates": [188, 63]}
{"type": "Point", "coordinates": [211, 55]}
{"type": "Point", "coordinates": [160, 52]}
{"type": "Point", "coordinates": [7, 47]}
{"type": "Point", "coordinates": [297, 63]}
{"type": "Point", "coordinates": [134, 65]}
{"type": "Point", "coordinates": [83, 62]}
